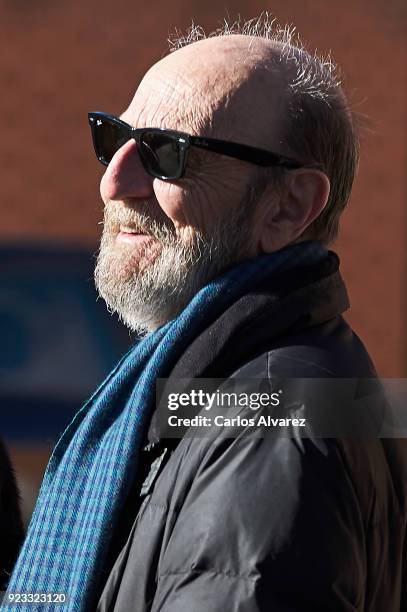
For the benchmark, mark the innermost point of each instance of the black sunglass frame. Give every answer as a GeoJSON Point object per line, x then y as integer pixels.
{"type": "Point", "coordinates": [236, 150]}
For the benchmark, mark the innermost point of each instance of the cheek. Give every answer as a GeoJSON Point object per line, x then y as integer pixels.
{"type": "Point", "coordinates": [170, 198]}
{"type": "Point", "coordinates": [189, 205]}
{"type": "Point", "coordinates": [199, 201]}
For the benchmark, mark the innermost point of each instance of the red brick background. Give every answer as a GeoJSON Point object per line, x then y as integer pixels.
{"type": "Point", "coordinates": [60, 59]}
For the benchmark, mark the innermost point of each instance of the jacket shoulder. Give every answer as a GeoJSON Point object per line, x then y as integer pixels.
{"type": "Point", "coordinates": [329, 349]}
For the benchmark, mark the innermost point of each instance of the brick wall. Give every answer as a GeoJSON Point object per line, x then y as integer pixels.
{"type": "Point", "coordinates": [60, 59]}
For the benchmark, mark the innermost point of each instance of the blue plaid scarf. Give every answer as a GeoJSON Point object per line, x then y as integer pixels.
{"type": "Point", "coordinates": [94, 462]}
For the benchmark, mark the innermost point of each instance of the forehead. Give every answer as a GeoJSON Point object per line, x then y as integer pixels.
{"type": "Point", "coordinates": [170, 100]}
{"type": "Point", "coordinates": [214, 87]}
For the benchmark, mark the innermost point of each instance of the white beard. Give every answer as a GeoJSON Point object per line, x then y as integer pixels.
{"type": "Point", "coordinates": [151, 288]}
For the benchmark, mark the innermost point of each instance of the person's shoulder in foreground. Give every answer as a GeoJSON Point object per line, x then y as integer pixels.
{"type": "Point", "coordinates": [11, 530]}
{"type": "Point", "coordinates": [225, 181]}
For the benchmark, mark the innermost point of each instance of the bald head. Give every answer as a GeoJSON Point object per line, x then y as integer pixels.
{"type": "Point", "coordinates": [229, 87]}
{"type": "Point", "coordinates": [281, 97]}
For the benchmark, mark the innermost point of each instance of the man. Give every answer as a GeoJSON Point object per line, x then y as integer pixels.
{"type": "Point", "coordinates": [225, 179]}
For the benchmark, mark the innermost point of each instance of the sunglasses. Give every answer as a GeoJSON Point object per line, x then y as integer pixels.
{"type": "Point", "coordinates": [164, 153]}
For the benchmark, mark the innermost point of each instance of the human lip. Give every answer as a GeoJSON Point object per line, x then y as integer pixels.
{"type": "Point", "coordinates": [128, 229]}
{"type": "Point", "coordinates": [132, 235]}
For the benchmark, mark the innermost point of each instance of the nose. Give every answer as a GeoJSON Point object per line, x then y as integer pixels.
{"type": "Point", "coordinates": [125, 176]}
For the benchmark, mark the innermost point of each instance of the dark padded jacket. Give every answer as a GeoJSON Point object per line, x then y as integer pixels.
{"type": "Point", "coordinates": [269, 524]}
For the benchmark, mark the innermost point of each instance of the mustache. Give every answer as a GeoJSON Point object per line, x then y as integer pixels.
{"type": "Point", "coordinates": [117, 214]}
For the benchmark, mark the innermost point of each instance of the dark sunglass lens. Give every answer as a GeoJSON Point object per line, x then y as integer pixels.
{"type": "Point", "coordinates": [161, 154]}
{"type": "Point", "coordinates": [109, 137]}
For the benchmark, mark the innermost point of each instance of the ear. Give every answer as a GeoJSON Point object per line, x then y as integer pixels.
{"type": "Point", "coordinates": [303, 198]}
